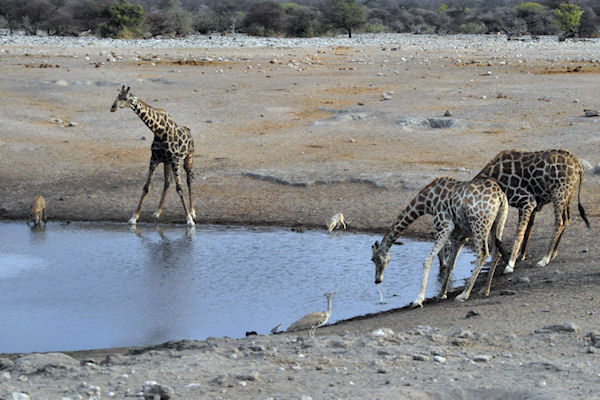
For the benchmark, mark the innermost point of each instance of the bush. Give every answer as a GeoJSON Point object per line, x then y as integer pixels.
{"type": "Point", "coordinates": [264, 18]}
{"type": "Point", "coordinates": [472, 28]}
{"type": "Point", "coordinates": [567, 18]}
{"type": "Point", "coordinates": [121, 19]}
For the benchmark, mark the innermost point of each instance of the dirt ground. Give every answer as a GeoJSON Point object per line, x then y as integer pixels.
{"type": "Point", "coordinates": [289, 137]}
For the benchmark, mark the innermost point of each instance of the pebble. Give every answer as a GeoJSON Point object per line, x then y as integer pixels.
{"type": "Point", "coordinates": [439, 359]}
{"type": "Point", "coordinates": [508, 292]}
{"type": "Point", "coordinates": [420, 357]}
{"type": "Point", "coordinates": [19, 396]}
{"type": "Point", "coordinates": [383, 333]}
{"type": "Point", "coordinates": [566, 327]}
{"type": "Point", "coordinates": [482, 358]}
{"type": "Point", "coordinates": [590, 113]}
{"type": "Point", "coordinates": [524, 279]}
{"type": "Point", "coordinates": [152, 389]}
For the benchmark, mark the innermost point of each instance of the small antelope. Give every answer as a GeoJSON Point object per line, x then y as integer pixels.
{"type": "Point", "coordinates": [38, 210]}
{"type": "Point", "coordinates": [335, 222]}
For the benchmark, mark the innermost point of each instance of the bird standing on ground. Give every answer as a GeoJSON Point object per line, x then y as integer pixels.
{"type": "Point", "coordinates": [313, 320]}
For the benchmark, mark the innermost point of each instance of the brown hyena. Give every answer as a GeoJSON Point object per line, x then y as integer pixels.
{"type": "Point", "coordinates": [38, 210]}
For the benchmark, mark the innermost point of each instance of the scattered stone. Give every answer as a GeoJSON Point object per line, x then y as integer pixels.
{"type": "Point", "coordinates": [566, 327]}
{"type": "Point", "coordinates": [420, 357]}
{"type": "Point", "coordinates": [5, 363]}
{"type": "Point", "coordinates": [383, 333]}
{"type": "Point", "coordinates": [152, 389]}
{"type": "Point", "coordinates": [508, 292]}
{"type": "Point", "coordinates": [591, 113]}
{"type": "Point", "coordinates": [36, 363]}
{"type": "Point", "coordinates": [472, 313]}
{"type": "Point", "coordinates": [585, 164]}
{"type": "Point", "coordinates": [524, 280]}
{"type": "Point", "coordinates": [482, 358]}
{"type": "Point", "coordinates": [447, 113]}
{"type": "Point", "coordinates": [597, 169]}
{"type": "Point", "coordinates": [387, 95]}
{"type": "Point", "coordinates": [438, 123]}
{"type": "Point", "coordinates": [439, 359]}
{"type": "Point", "coordinates": [61, 82]}
{"type": "Point", "coordinates": [19, 396]}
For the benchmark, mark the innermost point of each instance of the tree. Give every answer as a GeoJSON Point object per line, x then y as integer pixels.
{"type": "Point", "coordinates": [344, 14]}
{"type": "Point", "coordinates": [299, 20]}
{"type": "Point", "coordinates": [568, 17]}
{"type": "Point", "coordinates": [12, 11]}
{"type": "Point", "coordinates": [122, 19]}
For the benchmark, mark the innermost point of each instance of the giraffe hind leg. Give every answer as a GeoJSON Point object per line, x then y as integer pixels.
{"type": "Point", "coordinates": [561, 220]}
{"type": "Point", "coordinates": [151, 169]}
{"type": "Point", "coordinates": [478, 263]}
{"type": "Point", "coordinates": [524, 245]}
{"type": "Point", "coordinates": [168, 173]}
{"type": "Point", "coordinates": [187, 165]}
{"type": "Point", "coordinates": [524, 216]}
{"type": "Point", "coordinates": [188, 216]}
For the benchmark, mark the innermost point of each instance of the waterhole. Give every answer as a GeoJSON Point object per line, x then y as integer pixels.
{"type": "Point", "coordinates": [96, 285]}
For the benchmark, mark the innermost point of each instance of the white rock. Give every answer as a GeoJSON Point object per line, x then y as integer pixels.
{"type": "Point", "coordinates": [383, 333]}
{"type": "Point", "coordinates": [19, 396]}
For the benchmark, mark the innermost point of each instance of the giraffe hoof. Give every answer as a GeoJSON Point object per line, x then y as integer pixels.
{"type": "Point", "coordinates": [417, 303]}
{"type": "Point", "coordinates": [460, 298]}
{"type": "Point", "coordinates": [190, 222]}
{"type": "Point", "coordinates": [156, 215]}
{"type": "Point", "coordinates": [508, 270]}
{"type": "Point", "coordinates": [193, 213]}
{"type": "Point", "coordinates": [542, 263]}
{"type": "Point", "coordinates": [132, 221]}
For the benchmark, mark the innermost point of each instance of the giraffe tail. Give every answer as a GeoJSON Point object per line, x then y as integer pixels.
{"type": "Point", "coordinates": [579, 206]}
{"type": "Point", "coordinates": [498, 229]}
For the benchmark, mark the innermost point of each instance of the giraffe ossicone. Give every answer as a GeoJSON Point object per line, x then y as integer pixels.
{"type": "Point", "coordinates": [473, 210]}
{"type": "Point", "coordinates": [172, 146]}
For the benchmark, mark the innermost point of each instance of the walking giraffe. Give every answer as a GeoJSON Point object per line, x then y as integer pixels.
{"type": "Point", "coordinates": [530, 181]}
{"type": "Point", "coordinates": [461, 210]}
{"type": "Point", "coordinates": [171, 145]}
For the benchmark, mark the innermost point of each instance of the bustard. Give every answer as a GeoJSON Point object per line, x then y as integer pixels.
{"type": "Point", "coordinates": [313, 320]}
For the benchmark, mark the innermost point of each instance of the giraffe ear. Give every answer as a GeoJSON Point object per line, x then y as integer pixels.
{"type": "Point", "coordinates": [123, 87]}
{"type": "Point", "coordinates": [128, 89]}
{"type": "Point", "coordinates": [376, 245]}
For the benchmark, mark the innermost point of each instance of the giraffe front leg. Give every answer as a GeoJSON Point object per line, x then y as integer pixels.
{"type": "Point", "coordinates": [442, 237]}
{"type": "Point", "coordinates": [136, 215]}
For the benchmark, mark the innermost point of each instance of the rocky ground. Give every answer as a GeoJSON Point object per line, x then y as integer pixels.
{"type": "Point", "coordinates": [289, 132]}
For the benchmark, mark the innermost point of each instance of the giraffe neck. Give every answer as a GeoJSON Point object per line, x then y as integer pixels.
{"type": "Point", "coordinates": [159, 121]}
{"type": "Point", "coordinates": [415, 209]}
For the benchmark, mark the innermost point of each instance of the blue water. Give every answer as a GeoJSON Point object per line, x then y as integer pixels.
{"type": "Point", "coordinates": [96, 285]}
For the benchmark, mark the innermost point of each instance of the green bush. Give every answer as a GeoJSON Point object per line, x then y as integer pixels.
{"type": "Point", "coordinates": [121, 19]}
{"type": "Point", "coordinates": [472, 28]}
{"type": "Point", "coordinates": [567, 18]}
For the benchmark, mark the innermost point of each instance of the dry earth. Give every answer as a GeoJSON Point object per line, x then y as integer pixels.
{"type": "Point", "coordinates": [289, 136]}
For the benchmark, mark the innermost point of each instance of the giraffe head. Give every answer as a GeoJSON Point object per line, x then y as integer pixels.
{"type": "Point", "coordinates": [124, 99]}
{"type": "Point", "coordinates": [381, 258]}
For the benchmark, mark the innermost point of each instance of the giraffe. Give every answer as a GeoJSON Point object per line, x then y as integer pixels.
{"type": "Point", "coordinates": [461, 211]}
{"type": "Point", "coordinates": [171, 145]}
{"type": "Point", "coordinates": [530, 181]}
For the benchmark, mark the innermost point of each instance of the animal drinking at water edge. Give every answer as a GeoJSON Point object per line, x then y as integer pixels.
{"type": "Point", "coordinates": [530, 181]}
{"type": "Point", "coordinates": [172, 145]}
{"type": "Point", "coordinates": [313, 320]}
{"type": "Point", "coordinates": [473, 210]}
{"type": "Point", "coordinates": [38, 210]}
{"type": "Point", "coordinates": [335, 222]}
